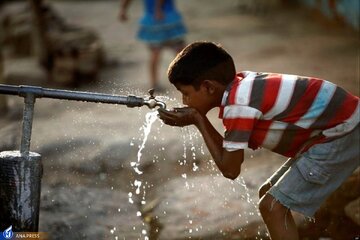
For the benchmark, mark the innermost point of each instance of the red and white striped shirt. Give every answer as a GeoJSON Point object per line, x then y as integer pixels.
{"type": "Point", "coordinates": [283, 112]}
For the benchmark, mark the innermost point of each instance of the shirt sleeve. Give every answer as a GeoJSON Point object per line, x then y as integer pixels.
{"type": "Point", "coordinates": [239, 122]}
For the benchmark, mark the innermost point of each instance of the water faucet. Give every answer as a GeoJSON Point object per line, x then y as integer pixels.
{"type": "Point", "coordinates": [39, 92]}
{"type": "Point", "coordinates": [152, 102]}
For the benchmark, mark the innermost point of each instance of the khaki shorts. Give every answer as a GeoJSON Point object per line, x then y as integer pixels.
{"type": "Point", "coordinates": [302, 184]}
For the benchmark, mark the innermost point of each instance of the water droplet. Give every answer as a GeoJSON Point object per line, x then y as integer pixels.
{"type": "Point", "coordinates": [195, 167]}
{"type": "Point", "coordinates": [137, 185]}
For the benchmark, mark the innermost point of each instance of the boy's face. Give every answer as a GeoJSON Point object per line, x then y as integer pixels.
{"type": "Point", "coordinates": [200, 99]}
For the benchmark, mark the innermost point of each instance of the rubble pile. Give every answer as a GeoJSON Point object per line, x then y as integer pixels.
{"type": "Point", "coordinates": [75, 53]}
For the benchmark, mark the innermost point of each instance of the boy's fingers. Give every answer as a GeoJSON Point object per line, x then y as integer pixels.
{"type": "Point", "coordinates": [182, 109]}
{"type": "Point", "coordinates": [162, 110]}
{"type": "Point", "coordinates": [168, 121]}
{"type": "Point", "coordinates": [169, 114]}
{"type": "Point", "coordinates": [166, 117]}
{"type": "Point", "coordinates": [164, 113]}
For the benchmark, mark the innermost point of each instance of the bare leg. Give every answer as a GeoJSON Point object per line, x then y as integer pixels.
{"type": "Point", "coordinates": [278, 219]}
{"type": "Point", "coordinates": [154, 65]}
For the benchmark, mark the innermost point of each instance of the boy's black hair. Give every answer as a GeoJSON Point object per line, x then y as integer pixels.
{"type": "Point", "coordinates": [201, 61]}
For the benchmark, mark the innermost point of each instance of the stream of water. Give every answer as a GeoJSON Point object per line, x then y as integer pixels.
{"type": "Point", "coordinates": [188, 136]}
{"type": "Point", "coordinates": [150, 118]}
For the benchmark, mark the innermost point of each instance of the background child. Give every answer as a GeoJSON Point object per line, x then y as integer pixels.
{"type": "Point", "coordinates": [161, 26]}
{"type": "Point", "coordinates": [313, 121]}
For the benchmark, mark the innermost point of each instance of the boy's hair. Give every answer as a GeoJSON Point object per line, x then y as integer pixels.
{"type": "Point", "coordinates": [201, 61]}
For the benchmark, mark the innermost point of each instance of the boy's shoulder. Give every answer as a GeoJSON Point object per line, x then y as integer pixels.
{"type": "Point", "coordinates": [268, 76]}
{"type": "Point", "coordinates": [256, 81]}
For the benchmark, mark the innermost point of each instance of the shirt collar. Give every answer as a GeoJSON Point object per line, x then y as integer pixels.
{"type": "Point", "coordinates": [239, 76]}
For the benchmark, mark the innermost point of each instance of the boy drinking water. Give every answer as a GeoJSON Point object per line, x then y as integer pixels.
{"type": "Point", "coordinates": [312, 121]}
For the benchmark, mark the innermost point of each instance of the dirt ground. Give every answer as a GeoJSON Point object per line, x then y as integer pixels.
{"type": "Point", "coordinates": [286, 40]}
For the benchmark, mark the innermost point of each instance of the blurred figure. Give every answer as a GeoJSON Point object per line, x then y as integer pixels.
{"type": "Point", "coordinates": [160, 27]}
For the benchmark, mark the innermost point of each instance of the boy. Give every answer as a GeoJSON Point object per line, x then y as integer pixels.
{"type": "Point", "coordinates": [310, 120]}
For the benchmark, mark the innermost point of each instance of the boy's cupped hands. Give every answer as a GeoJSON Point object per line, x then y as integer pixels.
{"type": "Point", "coordinates": [179, 116]}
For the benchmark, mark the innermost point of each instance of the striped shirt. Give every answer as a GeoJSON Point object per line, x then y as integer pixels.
{"type": "Point", "coordinates": [286, 114]}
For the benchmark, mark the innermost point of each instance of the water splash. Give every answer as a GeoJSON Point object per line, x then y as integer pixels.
{"type": "Point", "coordinates": [150, 118]}
{"type": "Point", "coordinates": [137, 184]}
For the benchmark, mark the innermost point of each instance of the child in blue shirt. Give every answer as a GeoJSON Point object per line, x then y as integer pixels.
{"type": "Point", "coordinates": [161, 26]}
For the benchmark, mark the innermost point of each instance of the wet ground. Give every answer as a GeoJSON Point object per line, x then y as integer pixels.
{"type": "Point", "coordinates": [80, 142]}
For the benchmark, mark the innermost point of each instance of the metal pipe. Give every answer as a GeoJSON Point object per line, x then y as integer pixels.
{"type": "Point", "coordinates": [39, 92]}
{"type": "Point", "coordinates": [27, 124]}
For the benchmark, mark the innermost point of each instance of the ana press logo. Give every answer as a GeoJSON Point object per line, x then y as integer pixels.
{"type": "Point", "coordinates": [8, 233]}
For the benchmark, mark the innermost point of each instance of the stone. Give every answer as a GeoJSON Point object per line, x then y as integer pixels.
{"type": "Point", "coordinates": [76, 53]}
{"type": "Point", "coordinates": [89, 213]}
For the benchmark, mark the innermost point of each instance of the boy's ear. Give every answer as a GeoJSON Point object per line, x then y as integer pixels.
{"type": "Point", "coordinates": [209, 86]}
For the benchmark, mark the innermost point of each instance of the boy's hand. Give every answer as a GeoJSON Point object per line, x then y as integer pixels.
{"type": "Point", "coordinates": [179, 116]}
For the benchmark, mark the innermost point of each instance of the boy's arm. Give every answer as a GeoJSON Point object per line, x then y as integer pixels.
{"type": "Point", "coordinates": [229, 163]}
